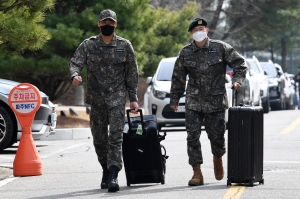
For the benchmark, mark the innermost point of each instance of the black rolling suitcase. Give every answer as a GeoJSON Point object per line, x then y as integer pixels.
{"type": "Point", "coordinates": [245, 145]}
{"type": "Point", "coordinates": [142, 154]}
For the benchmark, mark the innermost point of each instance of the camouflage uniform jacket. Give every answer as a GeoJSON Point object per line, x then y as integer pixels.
{"type": "Point", "coordinates": [111, 69]}
{"type": "Point", "coordinates": [206, 68]}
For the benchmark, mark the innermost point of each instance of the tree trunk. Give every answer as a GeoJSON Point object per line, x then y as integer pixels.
{"type": "Point", "coordinates": [272, 53]}
{"type": "Point", "coordinates": [215, 19]}
{"type": "Point", "coordinates": [283, 54]}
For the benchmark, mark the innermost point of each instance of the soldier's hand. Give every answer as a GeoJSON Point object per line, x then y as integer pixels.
{"type": "Point", "coordinates": [134, 107]}
{"type": "Point", "coordinates": [77, 80]}
{"type": "Point", "coordinates": [236, 86]}
{"type": "Point", "coordinates": [175, 108]}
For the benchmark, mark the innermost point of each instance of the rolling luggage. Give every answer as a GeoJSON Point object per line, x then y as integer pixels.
{"type": "Point", "coordinates": [142, 153]}
{"type": "Point", "coordinates": [245, 144]}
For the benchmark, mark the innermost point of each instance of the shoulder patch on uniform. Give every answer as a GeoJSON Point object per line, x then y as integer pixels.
{"type": "Point", "coordinates": [217, 41]}
{"type": "Point", "coordinates": [189, 44]}
{"type": "Point", "coordinates": [93, 37]}
{"type": "Point", "coordinates": [120, 38]}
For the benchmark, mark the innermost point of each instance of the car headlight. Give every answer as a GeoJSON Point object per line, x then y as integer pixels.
{"type": "Point", "coordinates": [45, 100]}
{"type": "Point", "coordinates": [159, 94]}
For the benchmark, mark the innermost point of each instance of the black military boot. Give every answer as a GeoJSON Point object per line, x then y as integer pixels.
{"type": "Point", "coordinates": [113, 179]}
{"type": "Point", "coordinates": [104, 181]}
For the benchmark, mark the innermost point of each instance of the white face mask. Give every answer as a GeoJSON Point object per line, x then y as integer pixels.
{"type": "Point", "coordinates": [199, 36]}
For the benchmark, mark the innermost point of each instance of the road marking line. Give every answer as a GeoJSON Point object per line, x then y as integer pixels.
{"type": "Point", "coordinates": [7, 180]}
{"type": "Point", "coordinates": [234, 192]}
{"type": "Point", "coordinates": [12, 178]}
{"type": "Point", "coordinates": [284, 162]}
{"type": "Point", "coordinates": [291, 126]}
{"type": "Point", "coordinates": [7, 158]}
{"type": "Point", "coordinates": [61, 150]}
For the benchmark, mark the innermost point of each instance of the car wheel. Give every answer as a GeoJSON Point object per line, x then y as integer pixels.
{"type": "Point", "coordinates": [283, 104]}
{"type": "Point", "coordinates": [266, 105]}
{"type": "Point", "coordinates": [7, 128]}
{"type": "Point", "coordinates": [290, 105]}
{"type": "Point", "coordinates": [293, 103]}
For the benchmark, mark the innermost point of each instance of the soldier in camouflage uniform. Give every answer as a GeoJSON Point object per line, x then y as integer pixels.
{"type": "Point", "coordinates": [205, 60]}
{"type": "Point", "coordinates": [111, 72]}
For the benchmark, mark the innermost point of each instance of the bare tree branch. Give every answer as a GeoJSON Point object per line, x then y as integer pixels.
{"type": "Point", "coordinates": [215, 19]}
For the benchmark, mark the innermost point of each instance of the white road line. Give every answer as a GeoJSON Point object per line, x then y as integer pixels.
{"type": "Point", "coordinates": [61, 150]}
{"type": "Point", "coordinates": [283, 162]}
{"type": "Point", "coordinates": [12, 178]}
{"type": "Point", "coordinates": [7, 158]}
{"type": "Point", "coordinates": [7, 180]}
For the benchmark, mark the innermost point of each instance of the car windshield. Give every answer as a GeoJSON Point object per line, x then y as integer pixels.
{"type": "Point", "coordinates": [253, 66]}
{"type": "Point", "coordinates": [269, 68]}
{"type": "Point", "coordinates": [165, 71]}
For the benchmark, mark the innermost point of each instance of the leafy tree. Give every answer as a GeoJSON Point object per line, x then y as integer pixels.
{"type": "Point", "coordinates": [21, 26]}
{"type": "Point", "coordinates": [275, 27]}
{"type": "Point", "coordinates": [154, 33]}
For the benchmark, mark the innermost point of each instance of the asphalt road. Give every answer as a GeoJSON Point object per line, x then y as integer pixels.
{"type": "Point", "coordinates": [70, 169]}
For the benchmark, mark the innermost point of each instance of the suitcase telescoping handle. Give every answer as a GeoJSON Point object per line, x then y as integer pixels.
{"type": "Point", "coordinates": [128, 119]}
{"type": "Point", "coordinates": [234, 97]}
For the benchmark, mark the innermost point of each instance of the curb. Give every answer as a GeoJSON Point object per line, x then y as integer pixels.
{"type": "Point", "coordinates": [69, 134]}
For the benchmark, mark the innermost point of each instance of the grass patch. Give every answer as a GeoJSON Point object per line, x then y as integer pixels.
{"type": "Point", "coordinates": [72, 121]}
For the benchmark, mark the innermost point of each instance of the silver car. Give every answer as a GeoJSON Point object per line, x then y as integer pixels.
{"type": "Point", "coordinates": [157, 96]}
{"type": "Point", "coordinates": [10, 129]}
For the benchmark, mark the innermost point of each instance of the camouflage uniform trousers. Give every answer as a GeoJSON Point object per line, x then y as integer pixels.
{"type": "Point", "coordinates": [108, 145]}
{"type": "Point", "coordinates": [215, 128]}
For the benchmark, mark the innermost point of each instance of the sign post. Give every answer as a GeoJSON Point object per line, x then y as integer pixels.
{"type": "Point", "coordinates": [25, 99]}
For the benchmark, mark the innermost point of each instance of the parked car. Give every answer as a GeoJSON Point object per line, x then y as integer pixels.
{"type": "Point", "coordinates": [249, 93]}
{"type": "Point", "coordinates": [262, 78]}
{"type": "Point", "coordinates": [289, 90]}
{"type": "Point", "coordinates": [243, 95]}
{"type": "Point", "coordinates": [10, 129]}
{"type": "Point", "coordinates": [294, 86]}
{"type": "Point", "coordinates": [157, 96]}
{"type": "Point", "coordinates": [276, 86]}
{"type": "Point", "coordinates": [291, 102]}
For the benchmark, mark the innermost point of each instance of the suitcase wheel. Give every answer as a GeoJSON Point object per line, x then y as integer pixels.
{"type": "Point", "coordinates": [262, 181]}
{"type": "Point", "coordinates": [228, 182]}
{"type": "Point", "coordinates": [251, 183]}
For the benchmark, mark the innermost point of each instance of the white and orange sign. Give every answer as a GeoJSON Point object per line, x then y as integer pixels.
{"type": "Point", "coordinates": [24, 99]}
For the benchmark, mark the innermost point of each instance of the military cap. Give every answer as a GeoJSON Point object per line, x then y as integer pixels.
{"type": "Point", "coordinates": [197, 22]}
{"type": "Point", "coordinates": [108, 14]}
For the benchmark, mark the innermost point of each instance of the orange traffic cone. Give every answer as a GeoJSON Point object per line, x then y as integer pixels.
{"type": "Point", "coordinates": [27, 160]}
{"type": "Point", "coordinates": [25, 100]}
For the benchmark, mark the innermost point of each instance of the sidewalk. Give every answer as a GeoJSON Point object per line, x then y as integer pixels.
{"type": "Point", "coordinates": [71, 133]}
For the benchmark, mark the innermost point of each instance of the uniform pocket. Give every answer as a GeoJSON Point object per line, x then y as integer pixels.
{"type": "Point", "coordinates": [119, 59]}
{"type": "Point", "coordinates": [215, 64]}
{"type": "Point", "coordinates": [93, 60]}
